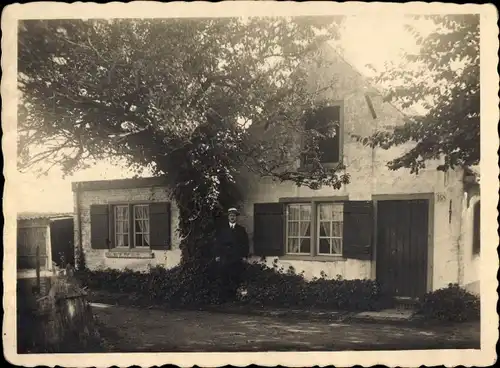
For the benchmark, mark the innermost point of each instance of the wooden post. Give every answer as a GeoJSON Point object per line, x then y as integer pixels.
{"type": "Point", "coordinates": [38, 268]}
{"type": "Point", "coordinates": [48, 249]}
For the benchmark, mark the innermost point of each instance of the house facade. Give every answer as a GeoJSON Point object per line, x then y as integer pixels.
{"type": "Point", "coordinates": [126, 223]}
{"type": "Point", "coordinates": [412, 232]}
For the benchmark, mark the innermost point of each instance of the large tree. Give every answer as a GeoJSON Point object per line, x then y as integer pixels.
{"type": "Point", "coordinates": [194, 100]}
{"type": "Point", "coordinates": [442, 77]}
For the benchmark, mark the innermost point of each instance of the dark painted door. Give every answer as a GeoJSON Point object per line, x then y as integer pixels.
{"type": "Point", "coordinates": [402, 228]}
{"type": "Point", "coordinates": [62, 241]}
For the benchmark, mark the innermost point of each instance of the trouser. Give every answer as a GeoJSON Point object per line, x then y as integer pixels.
{"type": "Point", "coordinates": [230, 278]}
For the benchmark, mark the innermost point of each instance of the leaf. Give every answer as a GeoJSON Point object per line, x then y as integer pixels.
{"type": "Point", "coordinates": [449, 96]}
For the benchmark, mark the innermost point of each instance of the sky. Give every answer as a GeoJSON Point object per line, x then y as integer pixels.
{"type": "Point", "coordinates": [365, 39]}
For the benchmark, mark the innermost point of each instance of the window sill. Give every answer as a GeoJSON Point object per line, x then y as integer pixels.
{"type": "Point", "coordinates": [130, 253]}
{"type": "Point", "coordinates": [291, 257]}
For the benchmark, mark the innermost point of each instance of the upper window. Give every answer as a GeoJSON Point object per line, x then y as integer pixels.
{"type": "Point", "coordinates": [327, 123]}
{"type": "Point", "coordinates": [328, 237]}
{"type": "Point", "coordinates": [131, 231]}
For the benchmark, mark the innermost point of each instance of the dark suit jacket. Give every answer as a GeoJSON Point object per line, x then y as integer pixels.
{"type": "Point", "coordinates": [232, 244]}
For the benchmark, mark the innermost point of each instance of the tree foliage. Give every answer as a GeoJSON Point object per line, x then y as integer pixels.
{"type": "Point", "coordinates": [443, 78]}
{"type": "Point", "coordinates": [197, 101]}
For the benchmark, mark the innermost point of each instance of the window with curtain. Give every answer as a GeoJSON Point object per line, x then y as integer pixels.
{"type": "Point", "coordinates": [298, 229]}
{"type": "Point", "coordinates": [330, 220]}
{"type": "Point", "coordinates": [325, 239]}
{"type": "Point", "coordinates": [141, 226]}
{"type": "Point", "coordinates": [122, 226]}
{"type": "Point", "coordinates": [132, 226]}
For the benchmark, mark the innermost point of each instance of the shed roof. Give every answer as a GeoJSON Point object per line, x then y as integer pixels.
{"type": "Point", "coordinates": [118, 184]}
{"type": "Point", "coordinates": [43, 215]}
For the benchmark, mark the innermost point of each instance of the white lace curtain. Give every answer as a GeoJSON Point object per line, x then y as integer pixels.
{"type": "Point", "coordinates": [142, 223]}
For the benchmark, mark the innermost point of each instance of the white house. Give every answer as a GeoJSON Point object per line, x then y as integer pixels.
{"type": "Point", "coordinates": [412, 232]}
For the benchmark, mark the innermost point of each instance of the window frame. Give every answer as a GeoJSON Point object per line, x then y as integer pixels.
{"type": "Point", "coordinates": [135, 233]}
{"type": "Point", "coordinates": [131, 225]}
{"type": "Point", "coordinates": [337, 103]}
{"type": "Point", "coordinates": [314, 251]}
{"type": "Point", "coordinates": [115, 227]}
{"type": "Point", "coordinates": [299, 237]}
{"type": "Point", "coordinates": [318, 236]}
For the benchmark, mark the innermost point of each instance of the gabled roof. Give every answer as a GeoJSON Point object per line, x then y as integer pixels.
{"type": "Point", "coordinates": [370, 86]}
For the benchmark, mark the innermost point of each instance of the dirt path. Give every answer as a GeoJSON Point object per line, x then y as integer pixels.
{"type": "Point", "coordinates": [151, 330]}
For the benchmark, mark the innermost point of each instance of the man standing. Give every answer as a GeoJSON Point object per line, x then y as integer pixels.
{"type": "Point", "coordinates": [230, 250]}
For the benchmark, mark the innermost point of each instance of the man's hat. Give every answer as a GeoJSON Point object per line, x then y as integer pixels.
{"type": "Point", "coordinates": [233, 210]}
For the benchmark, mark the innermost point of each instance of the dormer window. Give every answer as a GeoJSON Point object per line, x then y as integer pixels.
{"type": "Point", "coordinates": [326, 124]}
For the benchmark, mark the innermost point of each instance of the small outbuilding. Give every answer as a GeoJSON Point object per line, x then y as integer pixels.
{"type": "Point", "coordinates": [46, 235]}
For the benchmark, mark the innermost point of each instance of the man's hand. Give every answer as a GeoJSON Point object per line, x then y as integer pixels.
{"type": "Point", "coordinates": [217, 259]}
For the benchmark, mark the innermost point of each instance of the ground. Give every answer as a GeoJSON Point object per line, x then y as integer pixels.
{"type": "Point", "coordinates": [130, 329]}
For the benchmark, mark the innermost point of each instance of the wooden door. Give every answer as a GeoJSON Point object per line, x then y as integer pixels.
{"type": "Point", "coordinates": [402, 228]}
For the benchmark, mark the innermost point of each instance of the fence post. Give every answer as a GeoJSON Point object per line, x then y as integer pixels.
{"type": "Point", "coordinates": [38, 268]}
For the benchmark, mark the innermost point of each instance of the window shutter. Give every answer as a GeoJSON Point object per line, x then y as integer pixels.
{"type": "Point", "coordinates": [358, 230]}
{"type": "Point", "coordinates": [160, 225]}
{"type": "Point", "coordinates": [99, 226]}
{"type": "Point", "coordinates": [111, 221]}
{"type": "Point", "coordinates": [476, 235]}
{"type": "Point", "coordinates": [269, 227]}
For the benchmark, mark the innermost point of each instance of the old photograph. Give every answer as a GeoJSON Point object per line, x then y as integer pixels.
{"type": "Point", "coordinates": [249, 183]}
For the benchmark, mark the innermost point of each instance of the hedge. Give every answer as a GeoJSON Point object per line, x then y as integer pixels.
{"type": "Point", "coordinates": [276, 287]}
{"type": "Point", "coordinates": [188, 285]}
{"type": "Point", "coordinates": [262, 286]}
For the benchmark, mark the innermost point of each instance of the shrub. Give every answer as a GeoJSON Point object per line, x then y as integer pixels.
{"type": "Point", "coordinates": [275, 287]}
{"type": "Point", "coordinates": [195, 284]}
{"type": "Point", "coordinates": [269, 286]}
{"type": "Point", "coordinates": [189, 284]}
{"type": "Point", "coordinates": [452, 303]}
{"type": "Point", "coordinates": [346, 294]}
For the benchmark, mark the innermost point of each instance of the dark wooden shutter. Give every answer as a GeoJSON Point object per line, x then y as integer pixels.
{"type": "Point", "coordinates": [476, 235]}
{"type": "Point", "coordinates": [268, 233]}
{"type": "Point", "coordinates": [99, 226]}
{"type": "Point", "coordinates": [358, 230]}
{"type": "Point", "coordinates": [111, 221]}
{"type": "Point", "coordinates": [160, 225]}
